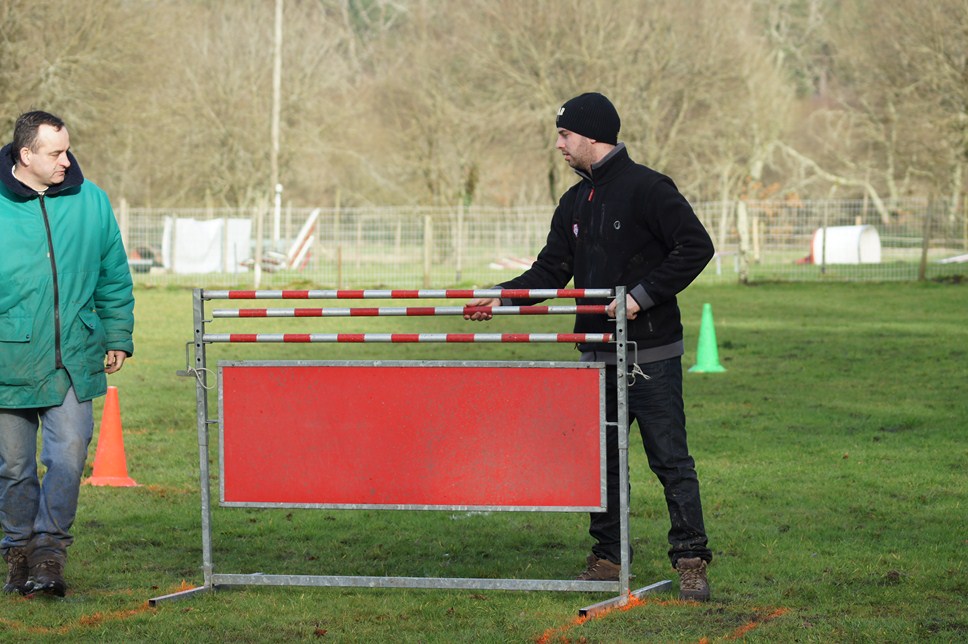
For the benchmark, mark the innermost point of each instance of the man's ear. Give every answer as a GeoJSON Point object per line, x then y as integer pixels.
{"type": "Point", "coordinates": [22, 159]}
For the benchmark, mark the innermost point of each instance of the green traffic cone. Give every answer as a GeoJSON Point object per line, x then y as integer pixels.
{"type": "Point", "coordinates": [707, 353]}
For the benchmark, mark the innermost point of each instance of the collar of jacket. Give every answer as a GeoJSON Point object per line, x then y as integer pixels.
{"type": "Point", "coordinates": [72, 178]}
{"type": "Point", "coordinates": [608, 166]}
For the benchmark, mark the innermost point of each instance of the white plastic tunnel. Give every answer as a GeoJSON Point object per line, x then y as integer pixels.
{"type": "Point", "coordinates": [846, 245]}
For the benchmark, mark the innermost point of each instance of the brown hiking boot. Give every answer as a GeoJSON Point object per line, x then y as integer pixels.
{"type": "Point", "coordinates": [17, 571]}
{"type": "Point", "coordinates": [599, 570]}
{"type": "Point", "coordinates": [692, 579]}
{"type": "Point", "coordinates": [48, 577]}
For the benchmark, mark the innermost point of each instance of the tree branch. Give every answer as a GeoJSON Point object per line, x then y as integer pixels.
{"type": "Point", "coordinates": [841, 181]}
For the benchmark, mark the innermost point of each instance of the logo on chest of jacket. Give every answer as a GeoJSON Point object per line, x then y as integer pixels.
{"type": "Point", "coordinates": [574, 229]}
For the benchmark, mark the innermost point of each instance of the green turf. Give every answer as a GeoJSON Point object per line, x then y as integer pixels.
{"type": "Point", "coordinates": [831, 452]}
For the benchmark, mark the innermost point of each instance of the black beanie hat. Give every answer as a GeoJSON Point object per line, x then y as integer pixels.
{"type": "Point", "coordinates": [591, 115]}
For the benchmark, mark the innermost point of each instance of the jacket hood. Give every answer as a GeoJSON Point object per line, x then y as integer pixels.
{"type": "Point", "coordinates": [72, 178]}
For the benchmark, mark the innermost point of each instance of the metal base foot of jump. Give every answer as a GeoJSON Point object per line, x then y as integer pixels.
{"type": "Point", "coordinates": [615, 602]}
{"type": "Point", "coordinates": [461, 583]}
{"type": "Point", "coordinates": [181, 594]}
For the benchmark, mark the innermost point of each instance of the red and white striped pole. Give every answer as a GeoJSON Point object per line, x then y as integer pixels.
{"type": "Point", "coordinates": [409, 311]}
{"type": "Point", "coordinates": [570, 338]}
{"type": "Point", "coordinates": [534, 294]}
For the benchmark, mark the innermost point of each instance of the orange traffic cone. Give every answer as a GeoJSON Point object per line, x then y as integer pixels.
{"type": "Point", "coordinates": [110, 465]}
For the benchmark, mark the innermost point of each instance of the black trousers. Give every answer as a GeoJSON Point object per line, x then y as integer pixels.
{"type": "Point", "coordinates": [655, 401]}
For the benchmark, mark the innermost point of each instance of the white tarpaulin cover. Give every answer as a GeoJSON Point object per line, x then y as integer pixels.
{"type": "Point", "coordinates": [207, 246]}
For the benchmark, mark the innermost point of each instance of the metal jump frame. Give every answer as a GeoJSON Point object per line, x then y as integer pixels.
{"type": "Point", "coordinates": [199, 370]}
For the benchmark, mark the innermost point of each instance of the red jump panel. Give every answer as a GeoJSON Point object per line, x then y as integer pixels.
{"type": "Point", "coordinates": [412, 436]}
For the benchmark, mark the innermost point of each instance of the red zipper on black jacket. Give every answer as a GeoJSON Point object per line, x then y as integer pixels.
{"type": "Point", "coordinates": [58, 363]}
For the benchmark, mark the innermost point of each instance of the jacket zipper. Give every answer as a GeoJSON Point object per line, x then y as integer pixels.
{"type": "Point", "coordinates": [58, 363]}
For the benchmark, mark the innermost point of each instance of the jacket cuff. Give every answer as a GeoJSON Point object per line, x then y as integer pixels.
{"type": "Point", "coordinates": [640, 295]}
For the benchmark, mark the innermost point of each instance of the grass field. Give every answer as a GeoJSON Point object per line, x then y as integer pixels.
{"type": "Point", "coordinates": [832, 454]}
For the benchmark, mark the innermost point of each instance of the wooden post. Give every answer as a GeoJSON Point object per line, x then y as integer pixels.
{"type": "Point", "coordinates": [756, 239]}
{"type": "Point", "coordinates": [926, 239]}
{"type": "Point", "coordinates": [459, 241]}
{"type": "Point", "coordinates": [174, 244]}
{"type": "Point", "coordinates": [964, 221]}
{"type": "Point", "coordinates": [724, 209]}
{"type": "Point", "coordinates": [337, 240]}
{"type": "Point", "coordinates": [124, 223]}
{"type": "Point", "coordinates": [823, 230]}
{"type": "Point", "coordinates": [428, 249]}
{"type": "Point", "coordinates": [289, 236]}
{"type": "Point", "coordinates": [259, 230]}
{"type": "Point", "coordinates": [225, 245]}
{"type": "Point", "coordinates": [742, 225]}
{"type": "Point", "coordinates": [359, 242]}
{"type": "Point", "coordinates": [339, 266]}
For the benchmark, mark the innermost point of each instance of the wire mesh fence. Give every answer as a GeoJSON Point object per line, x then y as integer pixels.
{"type": "Point", "coordinates": [409, 247]}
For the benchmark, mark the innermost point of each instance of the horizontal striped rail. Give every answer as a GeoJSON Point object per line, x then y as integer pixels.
{"type": "Point", "coordinates": [572, 338]}
{"type": "Point", "coordinates": [409, 311]}
{"type": "Point", "coordinates": [535, 294]}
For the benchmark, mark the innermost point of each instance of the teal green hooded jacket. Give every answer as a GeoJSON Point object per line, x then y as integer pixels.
{"type": "Point", "coordinates": [65, 290]}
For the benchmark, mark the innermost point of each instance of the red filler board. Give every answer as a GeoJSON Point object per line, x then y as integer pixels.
{"type": "Point", "coordinates": [435, 437]}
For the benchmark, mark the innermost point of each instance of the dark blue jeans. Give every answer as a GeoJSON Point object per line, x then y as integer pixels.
{"type": "Point", "coordinates": [655, 401]}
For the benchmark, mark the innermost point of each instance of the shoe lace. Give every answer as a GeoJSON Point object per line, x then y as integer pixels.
{"type": "Point", "coordinates": [693, 578]}
{"type": "Point", "coordinates": [16, 558]}
{"type": "Point", "coordinates": [595, 569]}
{"type": "Point", "coordinates": [51, 566]}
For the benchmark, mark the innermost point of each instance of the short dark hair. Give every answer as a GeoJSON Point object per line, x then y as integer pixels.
{"type": "Point", "coordinates": [25, 130]}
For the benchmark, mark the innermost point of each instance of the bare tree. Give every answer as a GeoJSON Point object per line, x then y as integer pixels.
{"type": "Point", "coordinates": [418, 101]}
{"type": "Point", "coordinates": [897, 118]}
{"type": "Point", "coordinates": [89, 66]}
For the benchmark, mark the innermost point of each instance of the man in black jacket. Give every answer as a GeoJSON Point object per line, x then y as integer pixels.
{"type": "Point", "coordinates": [626, 224]}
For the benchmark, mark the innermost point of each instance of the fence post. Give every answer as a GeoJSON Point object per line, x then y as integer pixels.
{"type": "Point", "coordinates": [459, 241]}
{"type": "Point", "coordinates": [174, 244]}
{"type": "Point", "coordinates": [337, 240]}
{"type": "Point", "coordinates": [359, 243]}
{"type": "Point", "coordinates": [756, 239]}
{"type": "Point", "coordinates": [259, 230]}
{"type": "Point", "coordinates": [742, 225]}
{"type": "Point", "coordinates": [926, 239]}
{"type": "Point", "coordinates": [225, 244]}
{"type": "Point", "coordinates": [289, 236]}
{"type": "Point", "coordinates": [124, 222]}
{"type": "Point", "coordinates": [725, 207]}
{"type": "Point", "coordinates": [823, 231]}
{"type": "Point", "coordinates": [428, 251]}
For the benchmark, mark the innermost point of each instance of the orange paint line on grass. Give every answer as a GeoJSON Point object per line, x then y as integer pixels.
{"type": "Point", "coordinates": [741, 632]}
{"type": "Point", "coordinates": [558, 634]}
{"type": "Point", "coordinates": [86, 621]}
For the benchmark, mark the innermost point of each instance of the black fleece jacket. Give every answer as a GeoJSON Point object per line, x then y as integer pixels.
{"type": "Point", "coordinates": [625, 224]}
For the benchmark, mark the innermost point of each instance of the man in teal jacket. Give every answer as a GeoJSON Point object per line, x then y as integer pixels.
{"type": "Point", "coordinates": [66, 320]}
